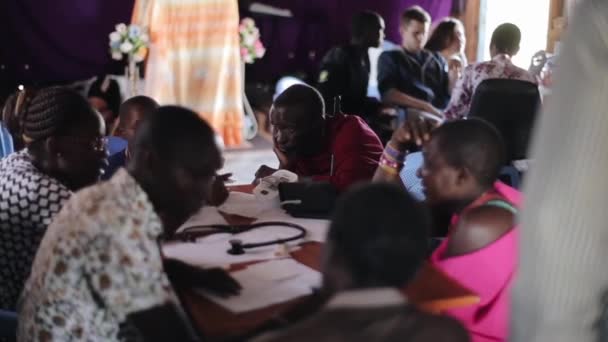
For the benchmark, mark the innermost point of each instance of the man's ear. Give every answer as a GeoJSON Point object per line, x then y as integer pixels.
{"type": "Point", "coordinates": [336, 275]}
{"type": "Point", "coordinates": [52, 146]}
{"type": "Point", "coordinates": [463, 175]}
{"type": "Point", "coordinates": [145, 160]}
{"type": "Point", "coordinates": [402, 28]}
{"type": "Point", "coordinates": [150, 159]}
{"type": "Point", "coordinates": [53, 150]}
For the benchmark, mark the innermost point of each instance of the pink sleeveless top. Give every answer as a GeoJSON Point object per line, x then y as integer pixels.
{"type": "Point", "coordinates": [488, 272]}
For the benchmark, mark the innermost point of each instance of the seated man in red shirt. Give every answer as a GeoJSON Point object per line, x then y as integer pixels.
{"type": "Point", "coordinates": [340, 149]}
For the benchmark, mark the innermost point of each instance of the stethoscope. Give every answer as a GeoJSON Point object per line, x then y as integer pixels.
{"type": "Point", "coordinates": [237, 247]}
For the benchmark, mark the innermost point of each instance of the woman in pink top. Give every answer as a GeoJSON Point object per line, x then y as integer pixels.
{"type": "Point", "coordinates": [486, 266]}
{"type": "Point", "coordinates": [462, 160]}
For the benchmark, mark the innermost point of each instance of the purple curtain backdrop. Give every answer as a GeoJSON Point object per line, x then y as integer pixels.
{"type": "Point", "coordinates": [57, 41]}
{"type": "Point", "coordinates": [297, 45]}
{"type": "Point", "coordinates": [66, 40]}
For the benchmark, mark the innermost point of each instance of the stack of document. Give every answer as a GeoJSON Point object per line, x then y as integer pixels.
{"type": "Point", "coordinates": [212, 251]}
{"type": "Point", "coordinates": [242, 204]}
{"type": "Point", "coordinates": [269, 283]}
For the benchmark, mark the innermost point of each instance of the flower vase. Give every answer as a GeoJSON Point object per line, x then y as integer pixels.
{"type": "Point", "coordinates": [132, 76]}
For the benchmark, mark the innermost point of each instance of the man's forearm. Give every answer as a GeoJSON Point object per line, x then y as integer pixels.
{"type": "Point", "coordinates": [382, 176]}
{"type": "Point", "coordinates": [396, 97]}
{"type": "Point", "coordinates": [389, 174]}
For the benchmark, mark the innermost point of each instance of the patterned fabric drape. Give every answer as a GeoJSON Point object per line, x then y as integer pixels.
{"type": "Point", "coordinates": [194, 59]}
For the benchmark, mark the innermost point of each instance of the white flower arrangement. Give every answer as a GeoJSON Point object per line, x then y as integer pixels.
{"type": "Point", "coordinates": [251, 46]}
{"type": "Point", "coordinates": [132, 41]}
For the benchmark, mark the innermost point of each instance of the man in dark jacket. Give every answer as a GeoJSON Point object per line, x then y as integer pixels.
{"type": "Point", "coordinates": [345, 69]}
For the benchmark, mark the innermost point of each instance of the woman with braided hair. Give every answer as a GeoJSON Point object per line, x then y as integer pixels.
{"type": "Point", "coordinates": [64, 151]}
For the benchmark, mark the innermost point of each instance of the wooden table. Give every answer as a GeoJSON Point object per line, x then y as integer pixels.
{"type": "Point", "coordinates": [431, 290]}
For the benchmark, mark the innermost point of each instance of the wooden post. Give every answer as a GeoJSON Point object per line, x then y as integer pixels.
{"type": "Point", "coordinates": [470, 19]}
{"type": "Point", "coordinates": [556, 23]}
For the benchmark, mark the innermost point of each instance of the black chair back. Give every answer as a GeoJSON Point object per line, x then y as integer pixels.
{"type": "Point", "coordinates": [511, 106]}
{"type": "Point", "coordinates": [8, 326]}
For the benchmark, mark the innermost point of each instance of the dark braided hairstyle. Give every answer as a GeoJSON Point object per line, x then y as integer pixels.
{"type": "Point", "coordinates": [53, 111]}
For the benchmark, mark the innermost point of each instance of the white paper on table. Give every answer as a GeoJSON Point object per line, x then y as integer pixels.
{"type": "Point", "coordinates": [269, 283]}
{"type": "Point", "coordinates": [207, 215]}
{"type": "Point", "coordinates": [316, 230]}
{"type": "Point", "coordinates": [242, 204]}
{"type": "Point", "coordinates": [212, 251]}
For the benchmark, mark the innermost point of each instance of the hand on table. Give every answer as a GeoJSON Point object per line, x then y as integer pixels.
{"type": "Point", "coordinates": [263, 171]}
{"type": "Point", "coordinates": [217, 281]}
{"type": "Point", "coordinates": [285, 160]}
{"type": "Point", "coordinates": [214, 280]}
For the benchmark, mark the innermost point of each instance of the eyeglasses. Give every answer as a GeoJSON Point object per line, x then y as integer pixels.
{"type": "Point", "coordinates": [97, 144]}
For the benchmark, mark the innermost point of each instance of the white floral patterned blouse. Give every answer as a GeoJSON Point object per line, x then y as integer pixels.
{"type": "Point", "coordinates": [499, 67]}
{"type": "Point", "coordinates": [98, 262]}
